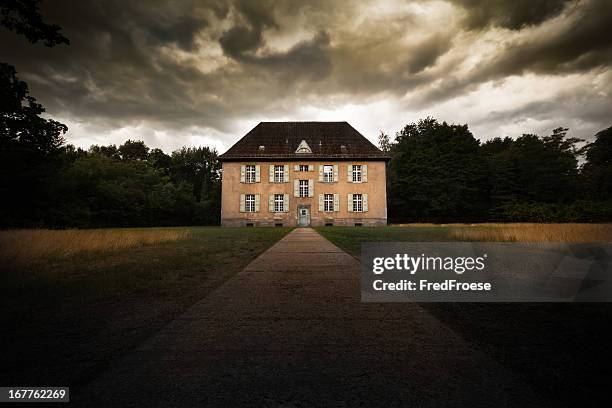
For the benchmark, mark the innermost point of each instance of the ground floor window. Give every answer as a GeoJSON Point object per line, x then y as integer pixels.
{"type": "Point", "coordinates": [279, 203]}
{"type": "Point", "coordinates": [249, 202]}
{"type": "Point", "coordinates": [328, 202]}
{"type": "Point", "coordinates": [357, 202]}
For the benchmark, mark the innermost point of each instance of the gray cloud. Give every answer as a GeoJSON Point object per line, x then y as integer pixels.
{"type": "Point", "coordinates": [510, 14]}
{"type": "Point", "coordinates": [210, 64]}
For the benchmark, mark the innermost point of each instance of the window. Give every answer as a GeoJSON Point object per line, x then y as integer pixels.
{"type": "Point", "coordinates": [328, 174]}
{"type": "Point", "coordinates": [303, 167]}
{"type": "Point", "coordinates": [328, 202]}
{"type": "Point", "coordinates": [249, 202]}
{"type": "Point", "coordinates": [279, 203]}
{"type": "Point", "coordinates": [250, 175]}
{"type": "Point", "coordinates": [303, 188]}
{"type": "Point", "coordinates": [303, 148]}
{"type": "Point", "coordinates": [279, 174]}
{"type": "Point", "coordinates": [356, 173]}
{"type": "Point", "coordinates": [357, 203]}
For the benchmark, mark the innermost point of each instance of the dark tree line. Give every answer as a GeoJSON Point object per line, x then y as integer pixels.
{"type": "Point", "coordinates": [107, 186]}
{"type": "Point", "coordinates": [440, 173]}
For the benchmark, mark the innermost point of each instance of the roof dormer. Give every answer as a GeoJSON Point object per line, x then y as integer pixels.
{"type": "Point", "coordinates": [303, 147]}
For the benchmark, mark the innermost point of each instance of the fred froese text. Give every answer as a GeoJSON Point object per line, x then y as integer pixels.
{"type": "Point", "coordinates": [425, 285]}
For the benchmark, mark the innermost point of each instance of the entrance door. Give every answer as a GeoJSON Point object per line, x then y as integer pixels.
{"type": "Point", "coordinates": [303, 217]}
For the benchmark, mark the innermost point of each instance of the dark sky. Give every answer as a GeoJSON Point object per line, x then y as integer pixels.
{"type": "Point", "coordinates": [177, 73]}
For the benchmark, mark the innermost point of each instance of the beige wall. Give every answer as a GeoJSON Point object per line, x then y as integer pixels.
{"type": "Point", "coordinates": [375, 188]}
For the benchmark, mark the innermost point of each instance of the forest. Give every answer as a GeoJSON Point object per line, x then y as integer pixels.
{"type": "Point", "coordinates": [440, 173]}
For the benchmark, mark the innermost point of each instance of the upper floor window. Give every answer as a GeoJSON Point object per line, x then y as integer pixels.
{"type": "Point", "coordinates": [328, 173]}
{"type": "Point", "coordinates": [279, 173]}
{"type": "Point", "coordinates": [249, 202]}
{"type": "Point", "coordinates": [250, 174]}
{"type": "Point", "coordinates": [303, 188]}
{"type": "Point", "coordinates": [328, 202]}
{"type": "Point", "coordinates": [357, 202]}
{"type": "Point", "coordinates": [357, 173]}
{"type": "Point", "coordinates": [279, 203]}
{"type": "Point", "coordinates": [303, 167]}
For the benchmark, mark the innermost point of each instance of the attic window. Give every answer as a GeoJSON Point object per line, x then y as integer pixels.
{"type": "Point", "coordinates": [343, 148]}
{"type": "Point", "coordinates": [262, 148]}
{"type": "Point", "coordinates": [303, 148]}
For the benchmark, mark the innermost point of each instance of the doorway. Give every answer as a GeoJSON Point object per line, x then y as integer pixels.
{"type": "Point", "coordinates": [303, 216]}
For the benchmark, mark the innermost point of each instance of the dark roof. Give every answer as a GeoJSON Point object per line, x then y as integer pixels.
{"type": "Point", "coordinates": [329, 140]}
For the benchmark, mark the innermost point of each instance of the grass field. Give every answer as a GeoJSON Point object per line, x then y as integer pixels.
{"type": "Point", "coordinates": [561, 349]}
{"type": "Point", "coordinates": [56, 244]}
{"type": "Point", "coordinates": [72, 300]}
{"type": "Point", "coordinates": [350, 238]}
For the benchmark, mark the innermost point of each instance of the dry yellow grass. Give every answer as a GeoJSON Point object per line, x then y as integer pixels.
{"type": "Point", "coordinates": [32, 245]}
{"type": "Point", "coordinates": [526, 232]}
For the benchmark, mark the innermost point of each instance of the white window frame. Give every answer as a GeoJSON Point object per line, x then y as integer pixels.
{"type": "Point", "coordinates": [357, 173]}
{"type": "Point", "coordinates": [279, 203]}
{"type": "Point", "coordinates": [357, 203]}
{"type": "Point", "coordinates": [250, 173]}
{"type": "Point", "coordinates": [303, 188]}
{"type": "Point", "coordinates": [328, 202]}
{"type": "Point", "coordinates": [303, 167]}
{"type": "Point", "coordinates": [279, 173]}
{"type": "Point", "coordinates": [249, 203]}
{"type": "Point", "coordinates": [328, 173]}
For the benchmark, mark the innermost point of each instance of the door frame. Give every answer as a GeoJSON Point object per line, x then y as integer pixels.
{"type": "Point", "coordinates": [307, 208]}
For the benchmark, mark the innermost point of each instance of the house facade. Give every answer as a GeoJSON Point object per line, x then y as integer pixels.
{"type": "Point", "coordinates": [303, 174]}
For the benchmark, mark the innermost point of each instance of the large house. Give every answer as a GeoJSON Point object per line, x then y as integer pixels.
{"type": "Point", "coordinates": [303, 173]}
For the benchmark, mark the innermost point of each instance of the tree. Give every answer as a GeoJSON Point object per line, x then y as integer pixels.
{"type": "Point", "coordinates": [532, 169]}
{"type": "Point", "coordinates": [134, 150]}
{"type": "Point", "coordinates": [30, 146]}
{"type": "Point", "coordinates": [597, 170]}
{"type": "Point", "coordinates": [19, 111]}
{"type": "Point", "coordinates": [384, 143]}
{"type": "Point", "coordinates": [160, 160]}
{"type": "Point", "coordinates": [201, 168]}
{"type": "Point", "coordinates": [20, 122]}
{"type": "Point", "coordinates": [436, 173]}
{"type": "Point", "coordinates": [109, 151]}
{"type": "Point", "coordinates": [23, 17]}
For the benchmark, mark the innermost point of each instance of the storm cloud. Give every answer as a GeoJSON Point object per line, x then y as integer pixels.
{"type": "Point", "coordinates": [203, 72]}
